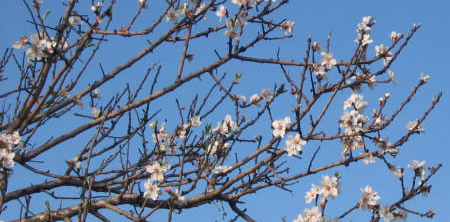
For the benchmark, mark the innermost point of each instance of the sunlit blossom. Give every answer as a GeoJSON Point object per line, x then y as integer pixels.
{"type": "Point", "coordinates": [221, 12]}
{"type": "Point", "coordinates": [287, 26]}
{"type": "Point", "coordinates": [151, 190]}
{"type": "Point", "coordinates": [369, 197]}
{"type": "Point", "coordinates": [279, 127]}
{"type": "Point", "coordinates": [221, 169]}
{"type": "Point", "coordinates": [327, 60]}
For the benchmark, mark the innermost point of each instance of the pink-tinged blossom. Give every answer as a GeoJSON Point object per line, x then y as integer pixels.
{"type": "Point", "coordinates": [255, 100]}
{"type": "Point", "coordinates": [294, 144]}
{"type": "Point", "coordinates": [233, 26]}
{"type": "Point", "coordinates": [96, 6]}
{"type": "Point", "coordinates": [316, 46]}
{"type": "Point", "coordinates": [151, 190]}
{"type": "Point", "coordinates": [418, 167]}
{"type": "Point", "coordinates": [171, 15]}
{"type": "Point", "coordinates": [227, 126]}
{"type": "Point", "coordinates": [214, 147]}
{"type": "Point", "coordinates": [287, 26]}
{"type": "Point", "coordinates": [364, 40]}
{"type": "Point", "coordinates": [330, 187]}
{"type": "Point", "coordinates": [74, 163]}
{"type": "Point", "coordinates": [385, 213]}
{"type": "Point", "coordinates": [310, 215]}
{"type": "Point", "coordinates": [368, 20]}
{"type": "Point", "coordinates": [320, 71]}
{"type": "Point", "coordinates": [356, 102]}
{"type": "Point", "coordinates": [312, 194]}
{"type": "Point", "coordinates": [7, 158]}
{"type": "Point", "coordinates": [327, 60]}
{"type": "Point", "coordinates": [11, 139]}
{"type": "Point", "coordinates": [382, 50]}
{"type": "Point", "coordinates": [369, 198]}
{"type": "Point", "coordinates": [267, 95]}
{"type": "Point", "coordinates": [21, 43]}
{"type": "Point", "coordinates": [221, 169]}
{"type": "Point", "coordinates": [424, 78]}
{"type": "Point", "coordinates": [221, 12]}
{"type": "Point", "coordinates": [353, 122]}
{"type": "Point", "coordinates": [157, 170]}
{"type": "Point", "coordinates": [395, 36]}
{"type": "Point", "coordinates": [162, 135]}
{"type": "Point", "coordinates": [279, 127]}
{"type": "Point", "coordinates": [143, 3]}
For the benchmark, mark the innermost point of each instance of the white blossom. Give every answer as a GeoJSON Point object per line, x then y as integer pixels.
{"type": "Point", "coordinates": [7, 158]}
{"type": "Point", "coordinates": [279, 127]}
{"type": "Point", "coordinates": [327, 60]}
{"type": "Point", "coordinates": [255, 100]}
{"type": "Point", "coordinates": [221, 169]}
{"type": "Point", "coordinates": [157, 170]}
{"type": "Point", "coordinates": [267, 95]}
{"type": "Point", "coordinates": [221, 12]}
{"type": "Point", "coordinates": [415, 127]}
{"type": "Point", "coordinates": [151, 190]}
{"type": "Point", "coordinates": [287, 26]}
{"type": "Point", "coordinates": [294, 144]}
{"type": "Point", "coordinates": [310, 215]}
{"type": "Point", "coordinates": [369, 197]}
{"type": "Point", "coordinates": [330, 187]}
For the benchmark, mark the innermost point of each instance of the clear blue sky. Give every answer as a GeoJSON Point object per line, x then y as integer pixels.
{"type": "Point", "coordinates": [427, 53]}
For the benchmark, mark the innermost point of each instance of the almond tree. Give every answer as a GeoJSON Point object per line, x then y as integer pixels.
{"type": "Point", "coordinates": [66, 94]}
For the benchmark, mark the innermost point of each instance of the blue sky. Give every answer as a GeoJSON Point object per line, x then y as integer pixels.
{"type": "Point", "coordinates": [426, 53]}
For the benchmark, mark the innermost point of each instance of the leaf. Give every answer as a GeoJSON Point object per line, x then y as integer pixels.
{"type": "Point", "coordinates": [238, 75]}
{"type": "Point", "coordinates": [207, 128]}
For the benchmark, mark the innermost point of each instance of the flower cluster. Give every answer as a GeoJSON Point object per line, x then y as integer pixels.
{"type": "Point", "coordinates": [369, 198]}
{"type": "Point", "coordinates": [7, 142]}
{"type": "Point", "coordinates": [364, 29]}
{"type": "Point", "coordinates": [216, 146]}
{"type": "Point", "coordinates": [368, 201]}
{"type": "Point", "coordinates": [40, 46]}
{"type": "Point", "coordinates": [353, 121]}
{"type": "Point", "coordinates": [227, 126]}
{"type": "Point", "coordinates": [383, 51]}
{"type": "Point", "coordinates": [182, 10]}
{"type": "Point", "coordinates": [156, 170]}
{"type": "Point", "coordinates": [310, 215]}
{"type": "Point", "coordinates": [330, 188]}
{"type": "Point", "coordinates": [294, 144]}
{"type": "Point", "coordinates": [164, 139]}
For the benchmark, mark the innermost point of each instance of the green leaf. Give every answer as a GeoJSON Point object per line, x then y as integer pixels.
{"type": "Point", "coordinates": [45, 14]}
{"type": "Point", "coordinates": [207, 128]}
{"type": "Point", "coordinates": [238, 75]}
